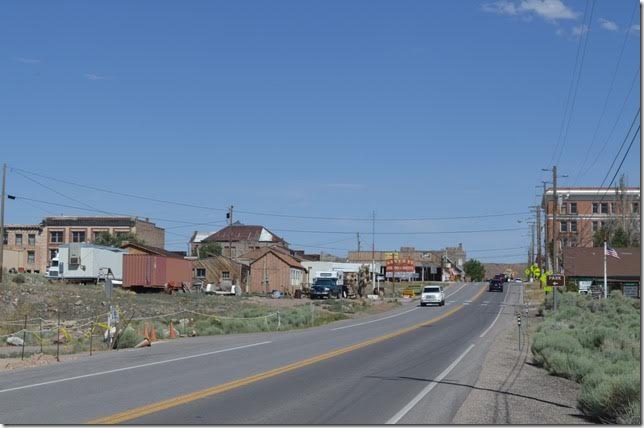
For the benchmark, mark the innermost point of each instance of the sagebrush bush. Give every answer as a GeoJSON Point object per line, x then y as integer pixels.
{"type": "Point", "coordinates": [595, 343]}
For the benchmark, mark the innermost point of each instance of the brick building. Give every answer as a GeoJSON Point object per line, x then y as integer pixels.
{"type": "Point", "coordinates": [582, 211]}
{"type": "Point", "coordinates": [237, 239]}
{"type": "Point", "coordinates": [66, 229]}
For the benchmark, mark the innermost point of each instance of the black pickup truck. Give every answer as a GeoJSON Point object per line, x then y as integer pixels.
{"type": "Point", "coordinates": [325, 288]}
{"type": "Point", "coordinates": [496, 285]}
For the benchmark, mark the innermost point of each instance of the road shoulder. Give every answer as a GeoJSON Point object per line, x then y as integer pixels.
{"type": "Point", "coordinates": [512, 390]}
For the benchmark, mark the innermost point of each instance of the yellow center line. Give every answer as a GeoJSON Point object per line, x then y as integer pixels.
{"type": "Point", "coordinates": [138, 412]}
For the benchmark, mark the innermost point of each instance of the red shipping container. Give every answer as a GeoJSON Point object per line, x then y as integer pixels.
{"type": "Point", "coordinates": [152, 271]}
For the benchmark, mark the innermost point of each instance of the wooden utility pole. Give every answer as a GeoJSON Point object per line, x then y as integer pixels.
{"type": "Point", "coordinates": [555, 243]}
{"type": "Point", "coordinates": [4, 182]}
{"type": "Point", "coordinates": [546, 250]}
{"type": "Point", "coordinates": [230, 224]}
{"type": "Point", "coordinates": [538, 214]}
{"type": "Point", "coordinates": [358, 237]}
{"type": "Point", "coordinates": [373, 250]}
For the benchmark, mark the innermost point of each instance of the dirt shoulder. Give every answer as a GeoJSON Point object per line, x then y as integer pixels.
{"type": "Point", "coordinates": [512, 390]}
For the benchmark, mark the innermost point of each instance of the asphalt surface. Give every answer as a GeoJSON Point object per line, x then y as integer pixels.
{"type": "Point", "coordinates": [324, 375]}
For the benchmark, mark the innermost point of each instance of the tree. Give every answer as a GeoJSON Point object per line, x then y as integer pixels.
{"type": "Point", "coordinates": [209, 250]}
{"type": "Point", "coordinates": [619, 239]}
{"type": "Point", "coordinates": [475, 270]}
{"type": "Point", "coordinates": [109, 240]}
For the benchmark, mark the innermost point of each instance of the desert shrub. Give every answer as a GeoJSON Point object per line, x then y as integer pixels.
{"type": "Point", "coordinates": [19, 279]}
{"type": "Point", "coordinates": [129, 338]}
{"type": "Point", "coordinates": [599, 348]}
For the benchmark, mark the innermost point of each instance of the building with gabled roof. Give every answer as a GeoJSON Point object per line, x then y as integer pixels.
{"type": "Point", "coordinates": [237, 239]}
{"type": "Point", "coordinates": [274, 269]}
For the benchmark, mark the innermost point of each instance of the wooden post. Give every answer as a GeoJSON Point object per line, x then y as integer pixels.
{"type": "Point", "coordinates": [41, 338]}
{"type": "Point", "coordinates": [24, 339]}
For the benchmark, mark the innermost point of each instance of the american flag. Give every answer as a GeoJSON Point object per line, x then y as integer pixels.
{"type": "Point", "coordinates": [611, 252]}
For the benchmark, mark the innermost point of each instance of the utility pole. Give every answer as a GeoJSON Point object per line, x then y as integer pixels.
{"type": "Point", "coordinates": [358, 237]}
{"type": "Point", "coordinates": [555, 243]}
{"type": "Point", "coordinates": [538, 214]}
{"type": "Point", "coordinates": [230, 223]}
{"type": "Point", "coordinates": [546, 251]}
{"type": "Point", "coordinates": [532, 242]}
{"type": "Point", "coordinates": [4, 182]}
{"type": "Point", "coordinates": [373, 250]}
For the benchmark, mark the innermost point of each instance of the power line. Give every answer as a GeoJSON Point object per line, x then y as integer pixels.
{"type": "Point", "coordinates": [585, 32]}
{"type": "Point", "coordinates": [610, 89]}
{"type": "Point", "coordinates": [619, 116]}
{"type": "Point", "coordinates": [399, 233]}
{"type": "Point", "coordinates": [257, 213]}
{"type": "Point", "coordinates": [620, 149]}
{"type": "Point", "coordinates": [574, 83]}
{"type": "Point", "coordinates": [621, 163]}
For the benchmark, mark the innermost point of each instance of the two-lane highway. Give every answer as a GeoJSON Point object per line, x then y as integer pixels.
{"type": "Point", "coordinates": [354, 371]}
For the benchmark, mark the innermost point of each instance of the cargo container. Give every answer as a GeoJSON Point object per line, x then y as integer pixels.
{"type": "Point", "coordinates": [147, 271]}
{"type": "Point", "coordinates": [85, 263]}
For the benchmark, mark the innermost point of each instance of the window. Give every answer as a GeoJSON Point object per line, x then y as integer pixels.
{"type": "Point", "coordinates": [78, 236]}
{"type": "Point", "coordinates": [56, 237]}
{"type": "Point", "coordinates": [595, 208]}
{"type": "Point", "coordinates": [121, 234]}
{"type": "Point", "coordinates": [225, 275]}
{"type": "Point", "coordinates": [573, 208]}
{"type": "Point", "coordinates": [595, 226]}
{"type": "Point", "coordinates": [6, 237]}
{"type": "Point", "coordinates": [18, 238]}
{"type": "Point", "coordinates": [563, 209]}
{"type": "Point", "coordinates": [563, 226]}
{"type": "Point", "coordinates": [604, 208]}
{"type": "Point", "coordinates": [636, 207]}
{"type": "Point", "coordinates": [31, 257]}
{"type": "Point", "coordinates": [613, 207]}
{"type": "Point", "coordinates": [52, 254]}
{"type": "Point", "coordinates": [573, 226]}
{"type": "Point", "coordinates": [201, 273]}
{"type": "Point", "coordinates": [31, 239]}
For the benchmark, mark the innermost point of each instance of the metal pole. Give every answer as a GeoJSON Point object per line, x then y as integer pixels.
{"type": "Point", "coordinates": [41, 339]}
{"type": "Point", "coordinates": [555, 242]}
{"type": "Point", "coordinates": [4, 182]}
{"type": "Point", "coordinates": [24, 339]}
{"type": "Point", "coordinates": [91, 336]}
{"type": "Point", "coordinates": [58, 339]}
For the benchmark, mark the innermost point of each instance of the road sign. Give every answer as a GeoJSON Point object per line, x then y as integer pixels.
{"type": "Point", "coordinates": [556, 280]}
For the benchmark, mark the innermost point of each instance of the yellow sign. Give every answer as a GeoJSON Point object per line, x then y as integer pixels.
{"type": "Point", "coordinates": [392, 256]}
{"type": "Point", "coordinates": [547, 289]}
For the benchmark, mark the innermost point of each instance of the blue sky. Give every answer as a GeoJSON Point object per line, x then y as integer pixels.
{"type": "Point", "coordinates": [415, 109]}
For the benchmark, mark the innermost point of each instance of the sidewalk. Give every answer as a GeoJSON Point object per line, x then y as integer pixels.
{"type": "Point", "coordinates": [511, 390]}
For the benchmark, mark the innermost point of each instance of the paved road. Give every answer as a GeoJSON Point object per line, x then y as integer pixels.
{"type": "Point", "coordinates": [369, 371]}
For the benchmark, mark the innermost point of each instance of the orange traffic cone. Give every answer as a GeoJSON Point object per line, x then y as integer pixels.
{"type": "Point", "coordinates": [145, 331]}
{"type": "Point", "coordinates": [153, 334]}
{"type": "Point", "coordinates": [173, 333]}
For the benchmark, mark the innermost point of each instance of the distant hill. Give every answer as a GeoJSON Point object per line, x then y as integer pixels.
{"type": "Point", "coordinates": [492, 269]}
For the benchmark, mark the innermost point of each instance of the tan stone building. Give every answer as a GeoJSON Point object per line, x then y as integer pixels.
{"type": "Point", "coordinates": [24, 246]}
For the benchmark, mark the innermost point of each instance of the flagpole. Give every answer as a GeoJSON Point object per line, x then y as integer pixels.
{"type": "Point", "coordinates": [605, 277]}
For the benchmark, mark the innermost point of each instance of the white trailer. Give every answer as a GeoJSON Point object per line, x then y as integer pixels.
{"type": "Point", "coordinates": [81, 262]}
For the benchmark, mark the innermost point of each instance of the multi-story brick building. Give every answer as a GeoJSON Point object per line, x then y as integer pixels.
{"type": "Point", "coordinates": [65, 229]}
{"type": "Point", "coordinates": [582, 211]}
{"type": "Point", "coordinates": [24, 246]}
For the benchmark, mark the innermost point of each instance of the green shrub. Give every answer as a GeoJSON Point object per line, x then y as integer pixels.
{"type": "Point", "coordinates": [19, 279]}
{"type": "Point", "coordinates": [129, 338]}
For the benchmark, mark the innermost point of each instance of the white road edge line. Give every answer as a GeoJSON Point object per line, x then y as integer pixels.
{"type": "Point", "coordinates": [398, 416]}
{"type": "Point", "coordinates": [385, 318]}
{"type": "Point", "coordinates": [372, 321]}
{"type": "Point", "coordinates": [505, 299]}
{"type": "Point", "coordinates": [133, 367]}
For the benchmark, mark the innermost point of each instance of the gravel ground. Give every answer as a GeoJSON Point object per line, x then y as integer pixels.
{"type": "Point", "coordinates": [511, 390]}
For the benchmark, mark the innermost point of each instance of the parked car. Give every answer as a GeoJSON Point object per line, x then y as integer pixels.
{"type": "Point", "coordinates": [518, 280]}
{"type": "Point", "coordinates": [432, 294]}
{"type": "Point", "coordinates": [325, 288]}
{"type": "Point", "coordinates": [496, 285]}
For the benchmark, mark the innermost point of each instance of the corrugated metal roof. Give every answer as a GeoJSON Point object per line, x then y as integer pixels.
{"type": "Point", "coordinates": [243, 232]}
